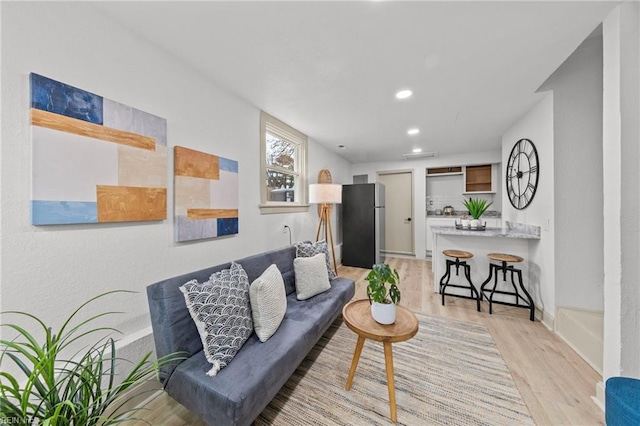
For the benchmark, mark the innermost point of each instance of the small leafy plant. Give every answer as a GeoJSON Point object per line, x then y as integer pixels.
{"type": "Point", "coordinates": [59, 390]}
{"type": "Point", "coordinates": [476, 206]}
{"type": "Point", "coordinates": [378, 277]}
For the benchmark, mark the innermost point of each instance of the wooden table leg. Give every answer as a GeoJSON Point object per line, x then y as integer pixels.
{"type": "Point", "coordinates": [354, 361]}
{"type": "Point", "coordinates": [388, 360]}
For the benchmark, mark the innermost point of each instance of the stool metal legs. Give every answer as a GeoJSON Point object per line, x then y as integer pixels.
{"type": "Point", "coordinates": [495, 269]}
{"type": "Point", "coordinates": [444, 281]}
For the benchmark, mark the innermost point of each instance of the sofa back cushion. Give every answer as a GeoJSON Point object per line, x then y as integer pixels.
{"type": "Point", "coordinates": [173, 327]}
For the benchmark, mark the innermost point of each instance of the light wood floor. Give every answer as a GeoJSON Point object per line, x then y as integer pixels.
{"type": "Point", "coordinates": [555, 383]}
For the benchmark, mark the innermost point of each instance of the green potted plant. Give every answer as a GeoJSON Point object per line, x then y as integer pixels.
{"type": "Point", "coordinates": [57, 386]}
{"type": "Point", "coordinates": [476, 207]}
{"type": "Point", "coordinates": [384, 301]}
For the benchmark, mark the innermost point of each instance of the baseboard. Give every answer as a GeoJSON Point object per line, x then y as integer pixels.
{"type": "Point", "coordinates": [399, 255]}
{"type": "Point", "coordinates": [599, 398]}
{"type": "Point", "coordinates": [545, 318]}
{"type": "Point", "coordinates": [583, 331]}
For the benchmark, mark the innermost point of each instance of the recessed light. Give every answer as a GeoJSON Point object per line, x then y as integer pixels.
{"type": "Point", "coordinates": [417, 150]}
{"type": "Point", "coordinates": [404, 94]}
{"type": "Point", "coordinates": [413, 131]}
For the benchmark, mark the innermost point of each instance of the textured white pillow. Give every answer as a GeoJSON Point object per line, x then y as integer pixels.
{"type": "Point", "coordinates": [311, 276]}
{"type": "Point", "coordinates": [308, 249]}
{"type": "Point", "coordinates": [268, 302]}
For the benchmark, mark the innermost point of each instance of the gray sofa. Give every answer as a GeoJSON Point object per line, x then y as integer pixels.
{"type": "Point", "coordinates": [241, 390]}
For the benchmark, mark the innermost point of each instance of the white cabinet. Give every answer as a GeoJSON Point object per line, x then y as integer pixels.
{"type": "Point", "coordinates": [450, 221]}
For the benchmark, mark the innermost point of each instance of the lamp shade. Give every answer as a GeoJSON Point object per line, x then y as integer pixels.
{"type": "Point", "coordinates": [325, 193]}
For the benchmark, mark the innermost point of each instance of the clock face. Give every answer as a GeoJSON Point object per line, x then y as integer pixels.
{"type": "Point", "coordinates": [523, 172]}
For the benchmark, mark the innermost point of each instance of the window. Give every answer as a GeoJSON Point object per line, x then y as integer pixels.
{"type": "Point", "coordinates": [283, 153]}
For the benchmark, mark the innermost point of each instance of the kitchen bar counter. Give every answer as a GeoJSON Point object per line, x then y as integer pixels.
{"type": "Point", "coordinates": [512, 238]}
{"type": "Point", "coordinates": [509, 230]}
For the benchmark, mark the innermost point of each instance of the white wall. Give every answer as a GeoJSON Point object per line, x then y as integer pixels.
{"type": "Point", "coordinates": [49, 270]}
{"type": "Point", "coordinates": [537, 126]}
{"type": "Point", "coordinates": [621, 36]}
{"type": "Point", "coordinates": [419, 168]}
{"type": "Point", "coordinates": [578, 204]}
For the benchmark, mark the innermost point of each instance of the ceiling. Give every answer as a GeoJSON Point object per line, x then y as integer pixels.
{"type": "Point", "coordinates": [331, 69]}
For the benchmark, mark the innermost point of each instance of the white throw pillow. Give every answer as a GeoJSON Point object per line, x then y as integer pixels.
{"type": "Point", "coordinates": [268, 302]}
{"type": "Point", "coordinates": [311, 276]}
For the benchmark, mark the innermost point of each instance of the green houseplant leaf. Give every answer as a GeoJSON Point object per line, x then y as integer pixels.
{"type": "Point", "coordinates": [476, 206]}
{"type": "Point", "coordinates": [58, 389]}
{"type": "Point", "coordinates": [380, 275]}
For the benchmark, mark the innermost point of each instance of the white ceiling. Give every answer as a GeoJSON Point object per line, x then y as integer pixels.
{"type": "Point", "coordinates": [331, 69]}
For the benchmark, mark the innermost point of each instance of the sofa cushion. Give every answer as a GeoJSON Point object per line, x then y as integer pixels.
{"type": "Point", "coordinates": [221, 310]}
{"type": "Point", "coordinates": [309, 249]}
{"type": "Point", "coordinates": [311, 276]}
{"type": "Point", "coordinates": [268, 302]}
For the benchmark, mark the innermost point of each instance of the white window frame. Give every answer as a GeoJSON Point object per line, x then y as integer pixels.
{"type": "Point", "coordinates": [288, 133]}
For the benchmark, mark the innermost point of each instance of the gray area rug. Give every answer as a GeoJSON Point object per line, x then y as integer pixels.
{"type": "Point", "coordinates": [450, 373]}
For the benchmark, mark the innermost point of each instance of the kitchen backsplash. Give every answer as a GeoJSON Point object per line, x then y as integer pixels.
{"type": "Point", "coordinates": [438, 202]}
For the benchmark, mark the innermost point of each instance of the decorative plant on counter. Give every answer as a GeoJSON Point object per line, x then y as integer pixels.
{"type": "Point", "coordinates": [476, 207]}
{"type": "Point", "coordinates": [66, 390]}
{"type": "Point", "coordinates": [383, 308]}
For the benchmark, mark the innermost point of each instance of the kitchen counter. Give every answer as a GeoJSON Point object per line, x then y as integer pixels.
{"type": "Point", "coordinates": [509, 230]}
{"type": "Point", "coordinates": [512, 238]}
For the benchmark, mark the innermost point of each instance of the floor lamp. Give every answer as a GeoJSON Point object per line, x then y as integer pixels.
{"type": "Point", "coordinates": [326, 194]}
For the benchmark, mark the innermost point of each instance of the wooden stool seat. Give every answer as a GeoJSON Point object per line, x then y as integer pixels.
{"type": "Point", "coordinates": [458, 254]}
{"type": "Point", "coordinates": [502, 257]}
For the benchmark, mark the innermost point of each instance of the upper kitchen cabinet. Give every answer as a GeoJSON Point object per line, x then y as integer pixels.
{"type": "Point", "coordinates": [444, 171]}
{"type": "Point", "coordinates": [480, 179]}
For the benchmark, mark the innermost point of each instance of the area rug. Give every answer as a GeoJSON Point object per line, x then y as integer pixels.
{"type": "Point", "coordinates": [450, 373]}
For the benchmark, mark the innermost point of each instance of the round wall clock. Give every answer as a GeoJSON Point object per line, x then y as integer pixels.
{"type": "Point", "coordinates": [523, 171]}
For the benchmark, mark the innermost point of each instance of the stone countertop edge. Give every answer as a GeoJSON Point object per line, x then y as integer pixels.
{"type": "Point", "coordinates": [489, 214]}
{"type": "Point", "coordinates": [509, 230]}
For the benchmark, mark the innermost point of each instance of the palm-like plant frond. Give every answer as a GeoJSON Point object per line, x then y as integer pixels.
{"type": "Point", "coordinates": [61, 390]}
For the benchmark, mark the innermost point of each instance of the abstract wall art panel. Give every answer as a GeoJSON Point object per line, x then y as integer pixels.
{"type": "Point", "coordinates": [205, 195]}
{"type": "Point", "coordinates": [94, 160]}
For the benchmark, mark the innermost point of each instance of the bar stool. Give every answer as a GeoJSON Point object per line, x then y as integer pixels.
{"type": "Point", "coordinates": [504, 259]}
{"type": "Point", "coordinates": [444, 281]}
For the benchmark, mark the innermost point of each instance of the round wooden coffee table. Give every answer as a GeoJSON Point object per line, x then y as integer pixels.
{"type": "Point", "coordinates": [357, 316]}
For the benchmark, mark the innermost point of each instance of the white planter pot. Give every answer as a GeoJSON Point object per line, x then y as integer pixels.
{"type": "Point", "coordinates": [384, 313]}
{"type": "Point", "coordinates": [475, 223]}
{"type": "Point", "coordinates": [464, 223]}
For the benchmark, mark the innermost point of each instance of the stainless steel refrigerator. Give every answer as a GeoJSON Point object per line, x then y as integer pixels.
{"type": "Point", "coordinates": [362, 224]}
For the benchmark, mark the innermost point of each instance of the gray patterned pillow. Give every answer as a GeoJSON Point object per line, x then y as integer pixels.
{"type": "Point", "coordinates": [221, 310]}
{"type": "Point", "coordinates": [307, 249]}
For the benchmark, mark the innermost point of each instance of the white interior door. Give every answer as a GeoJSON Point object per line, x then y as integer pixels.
{"type": "Point", "coordinates": [398, 211]}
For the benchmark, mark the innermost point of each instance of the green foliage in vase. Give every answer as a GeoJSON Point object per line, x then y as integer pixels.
{"type": "Point", "coordinates": [378, 277]}
{"type": "Point", "coordinates": [59, 390]}
{"type": "Point", "coordinates": [476, 206]}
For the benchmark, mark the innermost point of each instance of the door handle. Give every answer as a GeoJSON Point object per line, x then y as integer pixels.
{"type": "Point", "coordinates": [409, 219]}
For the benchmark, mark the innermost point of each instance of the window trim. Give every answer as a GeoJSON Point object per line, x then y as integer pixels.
{"type": "Point", "coordinates": [281, 129]}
